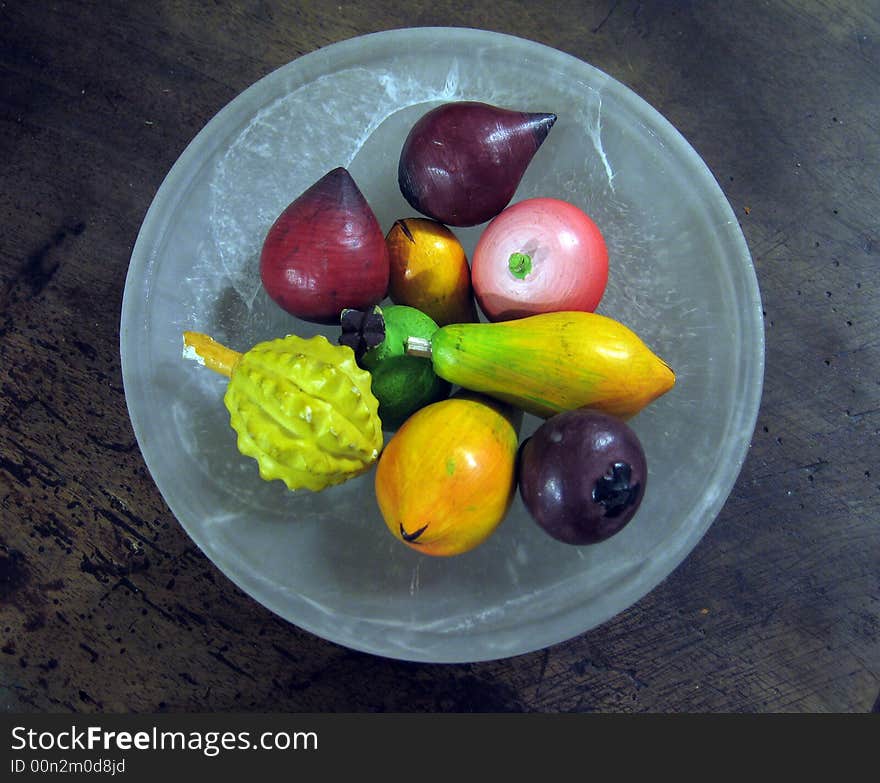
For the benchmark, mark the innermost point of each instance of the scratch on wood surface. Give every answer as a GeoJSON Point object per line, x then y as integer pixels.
{"type": "Point", "coordinates": [118, 522]}
{"type": "Point", "coordinates": [226, 662]}
{"type": "Point", "coordinates": [859, 414]}
{"type": "Point", "coordinates": [544, 660]}
{"type": "Point", "coordinates": [606, 17]}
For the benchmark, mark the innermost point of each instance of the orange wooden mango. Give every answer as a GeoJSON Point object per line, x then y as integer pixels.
{"type": "Point", "coordinates": [445, 480]}
{"type": "Point", "coordinates": [429, 271]}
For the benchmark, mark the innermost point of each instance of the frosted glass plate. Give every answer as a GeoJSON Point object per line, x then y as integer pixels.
{"type": "Point", "coordinates": [681, 276]}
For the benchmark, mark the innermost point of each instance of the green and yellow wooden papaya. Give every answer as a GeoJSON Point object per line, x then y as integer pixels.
{"type": "Point", "coordinates": [551, 362]}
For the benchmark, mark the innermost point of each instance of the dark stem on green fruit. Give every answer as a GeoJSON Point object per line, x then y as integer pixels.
{"type": "Point", "coordinates": [362, 329]}
{"type": "Point", "coordinates": [520, 264]}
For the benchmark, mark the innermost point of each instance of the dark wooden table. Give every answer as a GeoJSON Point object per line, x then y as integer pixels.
{"type": "Point", "coordinates": [105, 603]}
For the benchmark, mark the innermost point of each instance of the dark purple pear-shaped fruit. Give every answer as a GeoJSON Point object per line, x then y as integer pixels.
{"type": "Point", "coordinates": [462, 161]}
{"type": "Point", "coordinates": [326, 252]}
{"type": "Point", "coordinates": [582, 475]}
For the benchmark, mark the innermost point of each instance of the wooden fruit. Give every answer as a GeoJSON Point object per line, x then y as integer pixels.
{"type": "Point", "coordinates": [539, 255]}
{"type": "Point", "coordinates": [551, 362]}
{"type": "Point", "coordinates": [429, 271]}
{"type": "Point", "coordinates": [401, 383]}
{"type": "Point", "coordinates": [302, 408]}
{"type": "Point", "coordinates": [446, 479]}
{"type": "Point", "coordinates": [462, 161]}
{"type": "Point", "coordinates": [325, 252]}
{"type": "Point", "coordinates": [582, 476]}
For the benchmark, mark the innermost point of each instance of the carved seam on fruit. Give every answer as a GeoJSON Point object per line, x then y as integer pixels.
{"type": "Point", "coordinates": [410, 538]}
{"type": "Point", "coordinates": [406, 232]}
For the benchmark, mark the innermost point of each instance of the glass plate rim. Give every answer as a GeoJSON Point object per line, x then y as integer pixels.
{"type": "Point", "coordinates": [743, 276]}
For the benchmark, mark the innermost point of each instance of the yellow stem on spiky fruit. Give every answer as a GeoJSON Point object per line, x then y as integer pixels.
{"type": "Point", "coordinates": [207, 351]}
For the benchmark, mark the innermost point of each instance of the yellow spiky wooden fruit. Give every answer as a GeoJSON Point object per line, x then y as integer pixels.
{"type": "Point", "coordinates": [301, 407]}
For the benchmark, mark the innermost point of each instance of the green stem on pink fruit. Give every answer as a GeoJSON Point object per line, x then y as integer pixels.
{"type": "Point", "coordinates": [520, 264]}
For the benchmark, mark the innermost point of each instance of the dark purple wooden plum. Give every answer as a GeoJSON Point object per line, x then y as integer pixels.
{"type": "Point", "coordinates": [462, 161]}
{"type": "Point", "coordinates": [326, 252]}
{"type": "Point", "coordinates": [582, 475]}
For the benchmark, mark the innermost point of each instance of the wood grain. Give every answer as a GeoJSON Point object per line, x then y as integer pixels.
{"type": "Point", "coordinates": [105, 603]}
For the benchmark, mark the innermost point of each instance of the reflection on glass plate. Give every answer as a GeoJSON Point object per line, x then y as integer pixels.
{"type": "Point", "coordinates": [681, 276]}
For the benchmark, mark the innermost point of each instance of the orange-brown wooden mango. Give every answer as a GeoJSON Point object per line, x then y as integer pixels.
{"type": "Point", "coordinates": [445, 480]}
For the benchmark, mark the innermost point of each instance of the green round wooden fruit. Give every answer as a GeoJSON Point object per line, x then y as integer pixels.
{"type": "Point", "coordinates": [401, 383]}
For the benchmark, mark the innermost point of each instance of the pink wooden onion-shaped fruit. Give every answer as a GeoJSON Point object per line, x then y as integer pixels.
{"type": "Point", "coordinates": [540, 255]}
{"type": "Point", "coordinates": [326, 252]}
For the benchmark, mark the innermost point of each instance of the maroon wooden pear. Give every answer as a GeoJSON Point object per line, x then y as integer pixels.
{"type": "Point", "coordinates": [463, 161]}
{"type": "Point", "coordinates": [326, 252]}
